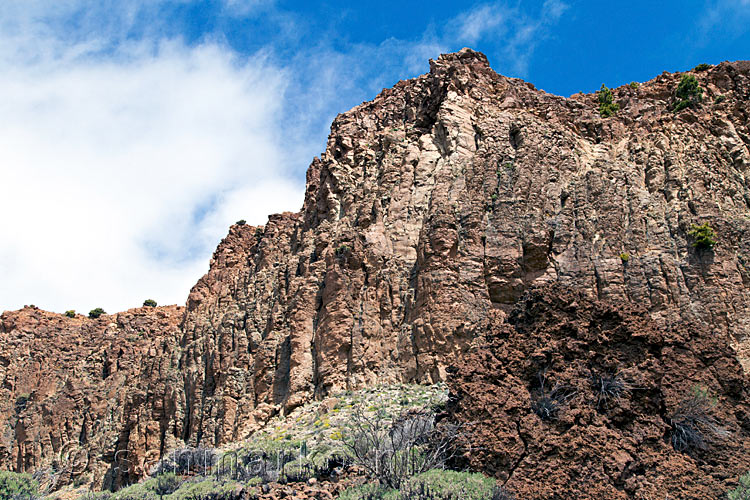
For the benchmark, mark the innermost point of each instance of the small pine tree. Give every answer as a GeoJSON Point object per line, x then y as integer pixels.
{"type": "Point", "coordinates": [342, 250]}
{"type": "Point", "coordinates": [688, 93]}
{"type": "Point", "coordinates": [149, 303]}
{"type": "Point", "coordinates": [704, 236]}
{"type": "Point", "coordinates": [95, 313]}
{"type": "Point", "coordinates": [607, 105]}
{"type": "Point", "coordinates": [70, 313]}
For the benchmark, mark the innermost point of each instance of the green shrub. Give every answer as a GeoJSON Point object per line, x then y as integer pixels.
{"type": "Point", "coordinates": [138, 491]}
{"type": "Point", "coordinates": [95, 313]}
{"type": "Point", "coordinates": [688, 93]}
{"type": "Point", "coordinates": [742, 491]}
{"type": "Point", "coordinates": [241, 222]}
{"type": "Point", "coordinates": [634, 85]}
{"type": "Point", "coordinates": [704, 237]}
{"type": "Point", "coordinates": [70, 313]}
{"type": "Point", "coordinates": [607, 105]}
{"type": "Point", "coordinates": [205, 489]}
{"type": "Point", "coordinates": [702, 67]}
{"type": "Point", "coordinates": [166, 484]}
{"type": "Point", "coordinates": [149, 303]}
{"type": "Point", "coordinates": [719, 99]}
{"type": "Point", "coordinates": [435, 484]}
{"type": "Point", "coordinates": [14, 485]}
{"type": "Point", "coordinates": [369, 491]}
{"type": "Point", "coordinates": [625, 257]}
{"type": "Point", "coordinates": [448, 485]}
{"type": "Point", "coordinates": [97, 495]}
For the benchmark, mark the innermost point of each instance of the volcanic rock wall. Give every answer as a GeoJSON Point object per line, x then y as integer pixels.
{"type": "Point", "coordinates": [615, 445]}
{"type": "Point", "coordinates": [78, 393]}
{"type": "Point", "coordinates": [433, 209]}
{"type": "Point", "coordinates": [447, 197]}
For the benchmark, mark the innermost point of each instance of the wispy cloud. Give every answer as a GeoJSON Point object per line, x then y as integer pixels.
{"type": "Point", "coordinates": [246, 7]}
{"type": "Point", "coordinates": [478, 22]}
{"type": "Point", "coordinates": [732, 17]}
{"type": "Point", "coordinates": [518, 31]}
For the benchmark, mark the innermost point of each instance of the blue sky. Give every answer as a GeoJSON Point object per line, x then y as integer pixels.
{"type": "Point", "coordinates": [135, 131]}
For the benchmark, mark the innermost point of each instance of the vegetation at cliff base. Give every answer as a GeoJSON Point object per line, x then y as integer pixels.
{"type": "Point", "coordinates": [17, 486]}
{"type": "Point", "coordinates": [435, 484]}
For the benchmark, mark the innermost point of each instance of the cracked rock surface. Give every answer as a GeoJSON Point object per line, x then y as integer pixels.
{"type": "Point", "coordinates": [619, 448]}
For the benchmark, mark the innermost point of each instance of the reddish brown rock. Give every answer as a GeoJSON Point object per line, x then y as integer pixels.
{"type": "Point", "coordinates": [76, 392]}
{"type": "Point", "coordinates": [620, 449]}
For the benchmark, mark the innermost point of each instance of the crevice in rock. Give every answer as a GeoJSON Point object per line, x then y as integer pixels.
{"type": "Point", "coordinates": [282, 360]}
{"type": "Point", "coordinates": [525, 452]}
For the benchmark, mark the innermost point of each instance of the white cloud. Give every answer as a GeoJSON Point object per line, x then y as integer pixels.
{"type": "Point", "coordinates": [552, 10]}
{"type": "Point", "coordinates": [729, 17]}
{"type": "Point", "coordinates": [121, 174]}
{"type": "Point", "coordinates": [475, 24]}
{"type": "Point", "coordinates": [514, 30]}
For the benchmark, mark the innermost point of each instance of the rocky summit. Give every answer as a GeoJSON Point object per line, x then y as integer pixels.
{"type": "Point", "coordinates": [462, 227]}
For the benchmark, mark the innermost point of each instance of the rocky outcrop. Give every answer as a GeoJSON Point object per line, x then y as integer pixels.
{"type": "Point", "coordinates": [434, 208]}
{"type": "Point", "coordinates": [597, 447]}
{"type": "Point", "coordinates": [82, 396]}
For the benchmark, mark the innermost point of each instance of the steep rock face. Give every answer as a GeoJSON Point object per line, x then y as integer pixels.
{"type": "Point", "coordinates": [434, 208]}
{"type": "Point", "coordinates": [443, 200]}
{"type": "Point", "coordinates": [592, 448]}
{"type": "Point", "coordinates": [77, 393]}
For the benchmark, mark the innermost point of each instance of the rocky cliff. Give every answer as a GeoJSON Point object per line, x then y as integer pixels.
{"type": "Point", "coordinates": [82, 396]}
{"type": "Point", "coordinates": [434, 208]}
